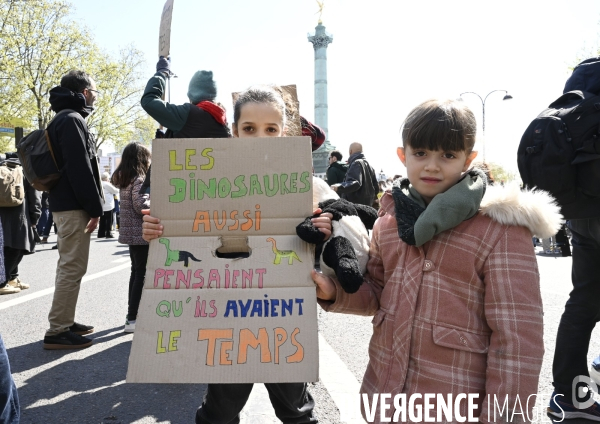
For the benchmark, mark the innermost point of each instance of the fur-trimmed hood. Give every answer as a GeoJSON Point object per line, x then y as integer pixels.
{"type": "Point", "coordinates": [534, 209]}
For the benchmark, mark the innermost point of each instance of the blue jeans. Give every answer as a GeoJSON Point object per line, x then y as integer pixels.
{"type": "Point", "coordinates": [582, 310]}
{"type": "Point", "coordinates": [10, 411]}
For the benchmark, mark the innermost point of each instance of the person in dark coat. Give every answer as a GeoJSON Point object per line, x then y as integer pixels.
{"type": "Point", "coordinates": [76, 204]}
{"type": "Point", "coordinates": [18, 224]}
{"type": "Point", "coordinates": [200, 118]}
{"type": "Point", "coordinates": [360, 184]}
{"type": "Point", "coordinates": [336, 172]}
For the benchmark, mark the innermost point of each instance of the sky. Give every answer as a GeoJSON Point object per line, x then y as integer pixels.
{"type": "Point", "coordinates": [386, 57]}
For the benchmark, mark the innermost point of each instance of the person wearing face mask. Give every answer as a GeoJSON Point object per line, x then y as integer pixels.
{"type": "Point", "coordinates": [76, 204]}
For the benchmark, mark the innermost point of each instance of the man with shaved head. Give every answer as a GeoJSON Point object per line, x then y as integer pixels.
{"type": "Point", "coordinates": [360, 184]}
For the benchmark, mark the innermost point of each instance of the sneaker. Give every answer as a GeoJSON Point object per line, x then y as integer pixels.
{"type": "Point", "coordinates": [18, 283]}
{"type": "Point", "coordinates": [81, 329]}
{"type": "Point", "coordinates": [564, 410]}
{"type": "Point", "coordinates": [54, 247]}
{"type": "Point", "coordinates": [8, 289]}
{"type": "Point", "coordinates": [129, 326]}
{"type": "Point", "coordinates": [595, 371]}
{"type": "Point", "coordinates": [45, 240]}
{"type": "Point", "coordinates": [549, 252]}
{"type": "Point", "coordinates": [66, 340]}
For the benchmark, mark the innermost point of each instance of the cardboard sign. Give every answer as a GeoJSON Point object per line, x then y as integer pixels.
{"type": "Point", "coordinates": [228, 296]}
{"type": "Point", "coordinates": [164, 35]}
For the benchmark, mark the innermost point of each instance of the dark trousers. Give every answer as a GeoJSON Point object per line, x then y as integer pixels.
{"type": "Point", "coordinates": [224, 402]}
{"type": "Point", "coordinates": [12, 259]}
{"type": "Point", "coordinates": [562, 241]}
{"type": "Point", "coordinates": [582, 310]}
{"type": "Point", "coordinates": [10, 410]}
{"type": "Point", "coordinates": [105, 225]}
{"type": "Point", "coordinates": [139, 256]}
{"type": "Point", "coordinates": [45, 223]}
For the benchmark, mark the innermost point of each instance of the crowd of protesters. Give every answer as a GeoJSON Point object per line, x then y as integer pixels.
{"type": "Point", "coordinates": [479, 329]}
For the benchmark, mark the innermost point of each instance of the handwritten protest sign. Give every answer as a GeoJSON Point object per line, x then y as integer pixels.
{"type": "Point", "coordinates": [164, 36]}
{"type": "Point", "coordinates": [208, 317]}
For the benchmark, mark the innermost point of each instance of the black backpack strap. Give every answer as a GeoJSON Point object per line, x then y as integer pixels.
{"type": "Point", "coordinates": [47, 134]}
{"type": "Point", "coordinates": [51, 149]}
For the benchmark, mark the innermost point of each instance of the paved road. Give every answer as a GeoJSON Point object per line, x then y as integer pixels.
{"type": "Point", "coordinates": [88, 386]}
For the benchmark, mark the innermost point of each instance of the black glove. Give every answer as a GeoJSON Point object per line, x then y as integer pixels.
{"type": "Point", "coordinates": [164, 66]}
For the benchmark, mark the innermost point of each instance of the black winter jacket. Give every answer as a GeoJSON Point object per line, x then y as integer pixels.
{"type": "Point", "coordinates": [585, 78]}
{"type": "Point", "coordinates": [360, 185]}
{"type": "Point", "coordinates": [336, 173]}
{"type": "Point", "coordinates": [79, 186]}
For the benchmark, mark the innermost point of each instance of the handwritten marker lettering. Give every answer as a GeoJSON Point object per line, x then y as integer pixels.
{"type": "Point", "coordinates": [221, 341]}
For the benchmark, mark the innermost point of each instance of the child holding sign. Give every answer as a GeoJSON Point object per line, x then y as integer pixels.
{"type": "Point", "coordinates": [452, 281]}
{"type": "Point", "coordinates": [258, 112]}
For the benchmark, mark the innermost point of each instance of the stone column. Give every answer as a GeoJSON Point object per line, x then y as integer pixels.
{"type": "Point", "coordinates": [320, 40]}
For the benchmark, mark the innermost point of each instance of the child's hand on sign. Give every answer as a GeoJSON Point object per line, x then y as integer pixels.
{"type": "Point", "coordinates": [323, 222]}
{"type": "Point", "coordinates": [151, 227]}
{"type": "Point", "coordinates": [326, 289]}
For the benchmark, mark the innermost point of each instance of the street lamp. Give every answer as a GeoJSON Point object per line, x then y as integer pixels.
{"type": "Point", "coordinates": [506, 97]}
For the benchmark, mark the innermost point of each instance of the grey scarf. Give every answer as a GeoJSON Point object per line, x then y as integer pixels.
{"type": "Point", "coordinates": [418, 223]}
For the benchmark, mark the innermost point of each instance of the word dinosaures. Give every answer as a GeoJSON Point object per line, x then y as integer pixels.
{"type": "Point", "coordinates": [177, 255]}
{"type": "Point", "coordinates": [197, 189]}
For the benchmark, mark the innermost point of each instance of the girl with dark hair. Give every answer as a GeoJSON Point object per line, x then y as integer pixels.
{"type": "Point", "coordinates": [260, 111]}
{"type": "Point", "coordinates": [129, 177]}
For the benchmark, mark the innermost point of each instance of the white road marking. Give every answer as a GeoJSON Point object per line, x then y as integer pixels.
{"type": "Point", "coordinates": [50, 290]}
{"type": "Point", "coordinates": [64, 396]}
{"type": "Point", "coordinates": [335, 376]}
{"type": "Point", "coordinates": [340, 383]}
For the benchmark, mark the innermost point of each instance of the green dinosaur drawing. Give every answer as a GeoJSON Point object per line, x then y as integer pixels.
{"type": "Point", "coordinates": [290, 254]}
{"type": "Point", "coordinates": [176, 255]}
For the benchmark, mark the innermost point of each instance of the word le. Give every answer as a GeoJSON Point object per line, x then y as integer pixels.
{"type": "Point", "coordinates": [223, 338]}
{"type": "Point", "coordinates": [420, 412]}
{"type": "Point", "coordinates": [257, 307]}
{"type": "Point", "coordinates": [230, 278]}
{"type": "Point", "coordinates": [203, 219]}
{"type": "Point", "coordinates": [270, 186]}
{"type": "Point", "coordinates": [172, 346]}
{"type": "Point", "coordinates": [163, 309]}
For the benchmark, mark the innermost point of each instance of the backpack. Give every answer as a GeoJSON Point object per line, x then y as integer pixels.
{"type": "Point", "coordinates": [37, 157]}
{"type": "Point", "coordinates": [585, 77]}
{"type": "Point", "coordinates": [370, 179]}
{"type": "Point", "coordinates": [12, 190]}
{"type": "Point", "coordinates": [560, 151]}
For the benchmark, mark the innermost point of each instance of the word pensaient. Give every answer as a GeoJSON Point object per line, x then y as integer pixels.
{"type": "Point", "coordinates": [252, 185]}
